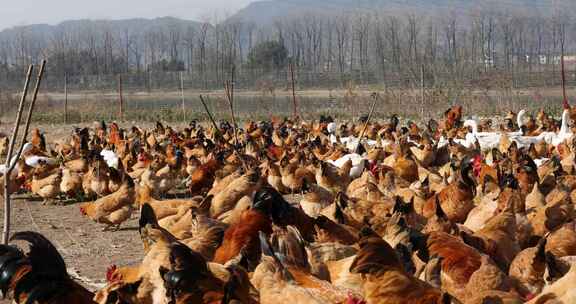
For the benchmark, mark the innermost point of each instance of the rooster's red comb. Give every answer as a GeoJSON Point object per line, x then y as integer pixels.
{"type": "Point", "coordinates": [109, 272]}
{"type": "Point", "coordinates": [353, 300]}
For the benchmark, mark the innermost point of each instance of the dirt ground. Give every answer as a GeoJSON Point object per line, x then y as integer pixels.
{"type": "Point", "coordinates": [87, 250]}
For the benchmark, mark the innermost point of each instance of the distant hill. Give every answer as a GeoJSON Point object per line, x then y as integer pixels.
{"type": "Point", "coordinates": [266, 11]}
{"type": "Point", "coordinates": [133, 26]}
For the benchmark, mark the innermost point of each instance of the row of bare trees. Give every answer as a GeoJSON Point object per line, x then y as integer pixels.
{"type": "Point", "coordinates": [369, 46]}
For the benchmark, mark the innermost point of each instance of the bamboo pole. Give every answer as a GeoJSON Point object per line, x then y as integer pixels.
{"type": "Point", "coordinates": [32, 104]}
{"type": "Point", "coordinates": [295, 105]}
{"type": "Point", "coordinates": [422, 86]}
{"type": "Point", "coordinates": [214, 124]}
{"type": "Point", "coordinates": [66, 98]}
{"type": "Point", "coordinates": [229, 88]}
{"type": "Point", "coordinates": [9, 167]}
{"type": "Point", "coordinates": [375, 96]}
{"type": "Point", "coordinates": [565, 103]}
{"type": "Point", "coordinates": [120, 100]}
{"type": "Point", "coordinates": [182, 96]}
{"type": "Point", "coordinates": [229, 96]}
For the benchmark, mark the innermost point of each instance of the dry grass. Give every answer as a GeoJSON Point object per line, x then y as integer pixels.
{"type": "Point", "coordinates": [345, 104]}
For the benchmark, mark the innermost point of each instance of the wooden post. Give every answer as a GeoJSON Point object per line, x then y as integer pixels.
{"type": "Point", "coordinates": [120, 100]}
{"type": "Point", "coordinates": [422, 91]}
{"type": "Point", "coordinates": [229, 89]}
{"type": "Point", "coordinates": [229, 96]}
{"type": "Point", "coordinates": [66, 98]}
{"type": "Point", "coordinates": [376, 97]}
{"type": "Point", "coordinates": [232, 83]}
{"type": "Point", "coordinates": [291, 67]}
{"type": "Point", "coordinates": [182, 95]}
{"type": "Point", "coordinates": [209, 114]}
{"type": "Point", "coordinates": [565, 103]}
{"type": "Point", "coordinates": [149, 74]}
{"type": "Point", "coordinates": [9, 165]}
{"type": "Point", "coordinates": [32, 104]}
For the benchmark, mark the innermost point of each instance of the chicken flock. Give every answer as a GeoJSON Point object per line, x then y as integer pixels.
{"type": "Point", "coordinates": [292, 211]}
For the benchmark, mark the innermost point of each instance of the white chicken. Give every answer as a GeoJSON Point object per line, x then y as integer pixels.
{"type": "Point", "coordinates": [110, 158]}
{"type": "Point", "coordinates": [358, 164]}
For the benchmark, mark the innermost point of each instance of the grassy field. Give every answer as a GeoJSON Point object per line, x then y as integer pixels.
{"type": "Point", "coordinates": [87, 107]}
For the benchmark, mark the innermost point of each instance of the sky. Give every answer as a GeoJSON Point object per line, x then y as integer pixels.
{"type": "Point", "coordinates": [24, 12]}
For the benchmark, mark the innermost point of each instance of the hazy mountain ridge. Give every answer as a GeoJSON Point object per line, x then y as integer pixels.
{"type": "Point", "coordinates": [133, 25]}
{"type": "Point", "coordinates": [266, 11]}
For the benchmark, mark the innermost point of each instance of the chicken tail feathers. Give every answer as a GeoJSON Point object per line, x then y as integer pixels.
{"type": "Point", "coordinates": [40, 274]}
{"type": "Point", "coordinates": [43, 255]}
{"type": "Point", "coordinates": [147, 217]}
{"type": "Point", "coordinates": [268, 250]}
{"type": "Point", "coordinates": [10, 259]}
{"type": "Point", "coordinates": [184, 258]}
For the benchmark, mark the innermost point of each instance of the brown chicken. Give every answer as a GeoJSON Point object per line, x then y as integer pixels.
{"type": "Point", "coordinates": [333, 178]}
{"type": "Point", "coordinates": [38, 140]}
{"type": "Point", "coordinates": [205, 234]}
{"type": "Point", "coordinates": [528, 267]}
{"type": "Point", "coordinates": [459, 262]}
{"type": "Point", "coordinates": [497, 238]}
{"type": "Point", "coordinates": [71, 182]}
{"type": "Point", "coordinates": [283, 275]}
{"type": "Point", "coordinates": [4, 140]}
{"type": "Point", "coordinates": [121, 283]}
{"type": "Point", "coordinates": [244, 234]}
{"type": "Point", "coordinates": [456, 200]}
{"type": "Point", "coordinates": [46, 184]}
{"type": "Point", "coordinates": [405, 167]}
{"type": "Point", "coordinates": [95, 182]}
{"type": "Point", "coordinates": [226, 199]}
{"type": "Point", "coordinates": [294, 174]}
{"type": "Point", "coordinates": [203, 177]}
{"type": "Point", "coordinates": [452, 118]}
{"type": "Point", "coordinates": [113, 209]}
{"type": "Point", "coordinates": [114, 134]}
{"type": "Point", "coordinates": [562, 242]}
{"type": "Point", "coordinates": [189, 280]}
{"type": "Point", "coordinates": [162, 208]}
{"type": "Point", "coordinates": [315, 199]}
{"type": "Point", "coordinates": [386, 281]}
{"type": "Point", "coordinates": [425, 155]}
{"type": "Point", "coordinates": [168, 176]}
{"type": "Point", "coordinates": [272, 173]}
{"type": "Point", "coordinates": [141, 284]}
{"type": "Point", "coordinates": [16, 182]}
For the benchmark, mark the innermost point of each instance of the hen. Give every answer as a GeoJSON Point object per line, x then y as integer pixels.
{"type": "Point", "coordinates": [386, 281]}
{"type": "Point", "coordinates": [113, 209]}
{"type": "Point", "coordinates": [244, 234]}
{"type": "Point", "coordinates": [456, 200]}
{"type": "Point", "coordinates": [189, 280]}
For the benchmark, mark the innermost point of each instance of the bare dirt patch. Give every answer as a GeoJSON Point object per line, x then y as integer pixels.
{"type": "Point", "coordinates": [87, 250]}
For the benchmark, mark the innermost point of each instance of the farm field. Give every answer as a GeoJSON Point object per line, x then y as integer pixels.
{"type": "Point", "coordinates": [288, 151]}
{"type": "Point", "coordinates": [350, 194]}
{"type": "Point", "coordinates": [87, 250]}
{"type": "Point", "coordinates": [143, 107]}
